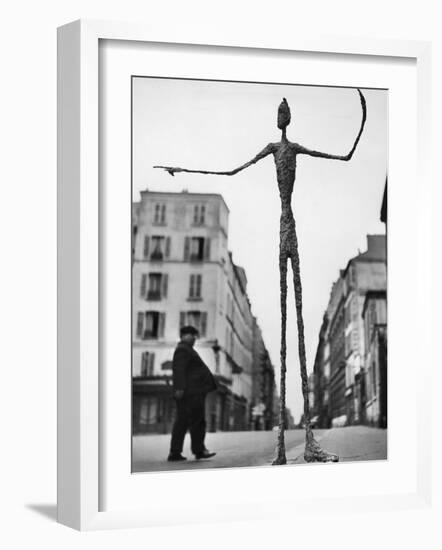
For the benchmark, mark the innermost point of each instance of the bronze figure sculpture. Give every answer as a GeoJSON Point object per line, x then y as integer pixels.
{"type": "Point", "coordinates": [285, 155]}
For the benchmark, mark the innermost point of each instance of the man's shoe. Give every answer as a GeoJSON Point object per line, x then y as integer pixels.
{"type": "Point", "coordinates": [204, 454]}
{"type": "Point", "coordinates": [176, 458]}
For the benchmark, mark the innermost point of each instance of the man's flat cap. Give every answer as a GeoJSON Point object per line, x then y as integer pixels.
{"type": "Point", "coordinates": [188, 329]}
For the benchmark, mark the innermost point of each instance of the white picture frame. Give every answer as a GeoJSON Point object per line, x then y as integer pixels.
{"type": "Point", "coordinates": [79, 273]}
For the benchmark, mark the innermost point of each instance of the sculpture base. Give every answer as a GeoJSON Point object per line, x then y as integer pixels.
{"type": "Point", "coordinates": [314, 453]}
{"type": "Point", "coordinates": [279, 461]}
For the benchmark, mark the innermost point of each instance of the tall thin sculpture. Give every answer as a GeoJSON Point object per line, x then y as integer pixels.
{"type": "Point", "coordinates": [285, 154]}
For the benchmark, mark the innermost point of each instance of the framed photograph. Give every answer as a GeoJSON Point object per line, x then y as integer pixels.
{"type": "Point", "coordinates": [205, 191]}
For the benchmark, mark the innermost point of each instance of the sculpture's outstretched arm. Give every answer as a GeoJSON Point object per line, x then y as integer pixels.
{"type": "Point", "coordinates": [303, 150]}
{"type": "Point", "coordinates": [266, 151]}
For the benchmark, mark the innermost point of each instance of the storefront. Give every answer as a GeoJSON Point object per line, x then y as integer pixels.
{"type": "Point", "coordinates": [153, 407]}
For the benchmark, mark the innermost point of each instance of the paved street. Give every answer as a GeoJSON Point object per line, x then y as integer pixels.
{"type": "Point", "coordinates": [354, 443]}
{"type": "Point", "coordinates": [236, 449]}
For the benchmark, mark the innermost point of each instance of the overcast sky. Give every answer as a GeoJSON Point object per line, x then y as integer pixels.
{"type": "Point", "coordinates": [221, 125]}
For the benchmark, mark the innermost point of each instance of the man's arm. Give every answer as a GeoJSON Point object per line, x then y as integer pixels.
{"type": "Point", "coordinates": [266, 151]}
{"type": "Point", "coordinates": [181, 360]}
{"type": "Point", "coordinates": [304, 151]}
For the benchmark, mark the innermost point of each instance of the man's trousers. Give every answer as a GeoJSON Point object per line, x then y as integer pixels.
{"type": "Point", "coordinates": [190, 415]}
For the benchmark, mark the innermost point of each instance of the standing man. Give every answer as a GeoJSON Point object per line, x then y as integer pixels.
{"type": "Point", "coordinates": [192, 381]}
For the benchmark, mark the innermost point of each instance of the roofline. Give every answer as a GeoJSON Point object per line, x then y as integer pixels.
{"type": "Point", "coordinates": [185, 193]}
{"type": "Point", "coordinates": [362, 261]}
{"type": "Point", "coordinates": [361, 258]}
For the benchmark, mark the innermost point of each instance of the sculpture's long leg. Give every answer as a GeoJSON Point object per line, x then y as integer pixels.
{"type": "Point", "coordinates": [313, 451]}
{"type": "Point", "coordinates": [281, 458]}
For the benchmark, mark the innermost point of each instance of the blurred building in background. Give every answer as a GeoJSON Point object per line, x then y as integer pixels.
{"type": "Point", "coordinates": [184, 274]}
{"type": "Point", "coordinates": [264, 396]}
{"type": "Point", "coordinates": [374, 315]}
{"type": "Point", "coordinates": [350, 371]}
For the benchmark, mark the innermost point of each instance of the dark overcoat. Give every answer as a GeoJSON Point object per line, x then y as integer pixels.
{"type": "Point", "coordinates": [190, 373]}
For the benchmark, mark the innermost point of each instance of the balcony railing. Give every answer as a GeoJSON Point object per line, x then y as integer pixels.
{"type": "Point", "coordinates": [196, 258]}
{"type": "Point", "coordinates": [157, 256]}
{"type": "Point", "coordinates": [150, 335]}
{"type": "Point", "coordinates": [154, 295]}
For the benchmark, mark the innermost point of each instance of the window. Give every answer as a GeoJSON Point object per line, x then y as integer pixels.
{"type": "Point", "coordinates": [150, 325]}
{"type": "Point", "coordinates": [195, 287]}
{"type": "Point", "coordinates": [144, 412]}
{"type": "Point", "coordinates": [373, 378]}
{"type": "Point", "coordinates": [147, 363]}
{"type": "Point", "coordinates": [159, 246]}
{"type": "Point", "coordinates": [154, 292]}
{"type": "Point", "coordinates": [197, 319]}
{"type": "Point", "coordinates": [134, 236]}
{"type": "Point", "coordinates": [196, 249]}
{"type": "Point", "coordinates": [348, 346]}
{"type": "Point", "coordinates": [199, 214]}
{"type": "Point", "coordinates": [347, 315]}
{"type": "Point", "coordinates": [372, 313]}
{"type": "Point", "coordinates": [158, 285]}
{"type": "Point", "coordinates": [159, 214]}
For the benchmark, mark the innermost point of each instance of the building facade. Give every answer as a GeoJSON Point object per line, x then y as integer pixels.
{"type": "Point", "coordinates": [364, 273]}
{"type": "Point", "coordinates": [374, 315]}
{"type": "Point", "coordinates": [183, 273]}
{"type": "Point", "coordinates": [263, 384]}
{"type": "Point", "coordinates": [336, 337]}
{"type": "Point", "coordinates": [343, 350]}
{"type": "Point", "coordinates": [320, 412]}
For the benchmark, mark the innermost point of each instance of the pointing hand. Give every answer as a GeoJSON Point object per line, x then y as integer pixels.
{"type": "Point", "coordinates": [169, 169]}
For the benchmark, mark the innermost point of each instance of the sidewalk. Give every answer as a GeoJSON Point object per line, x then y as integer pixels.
{"type": "Point", "coordinates": [353, 443]}
{"type": "Point", "coordinates": [234, 449]}
{"type": "Point", "coordinates": [239, 449]}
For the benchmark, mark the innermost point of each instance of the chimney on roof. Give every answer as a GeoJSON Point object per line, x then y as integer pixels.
{"type": "Point", "coordinates": [375, 243]}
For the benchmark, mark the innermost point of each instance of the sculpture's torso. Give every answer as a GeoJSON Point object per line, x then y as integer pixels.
{"type": "Point", "coordinates": [285, 160]}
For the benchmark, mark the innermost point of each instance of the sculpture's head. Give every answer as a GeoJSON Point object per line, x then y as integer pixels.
{"type": "Point", "coordinates": [283, 114]}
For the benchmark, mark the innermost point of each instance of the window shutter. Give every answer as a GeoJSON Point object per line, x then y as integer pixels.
{"type": "Point", "coordinates": [150, 363]}
{"type": "Point", "coordinates": [143, 363]}
{"type": "Point", "coordinates": [143, 285]}
{"type": "Point", "coordinates": [146, 247]}
{"type": "Point", "coordinates": [203, 323]}
{"type": "Point", "coordinates": [182, 318]}
{"type": "Point", "coordinates": [207, 249]}
{"type": "Point", "coordinates": [140, 323]}
{"type": "Point", "coordinates": [191, 286]}
{"type": "Point", "coordinates": [198, 286]}
{"type": "Point", "coordinates": [165, 281]}
{"type": "Point", "coordinates": [163, 213]}
{"type": "Point", "coordinates": [186, 248]}
{"type": "Point", "coordinates": [161, 323]}
{"type": "Point", "coordinates": [167, 252]}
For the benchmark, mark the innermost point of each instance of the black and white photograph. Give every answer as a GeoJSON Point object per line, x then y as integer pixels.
{"type": "Point", "coordinates": [259, 274]}
{"type": "Point", "coordinates": [228, 214]}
